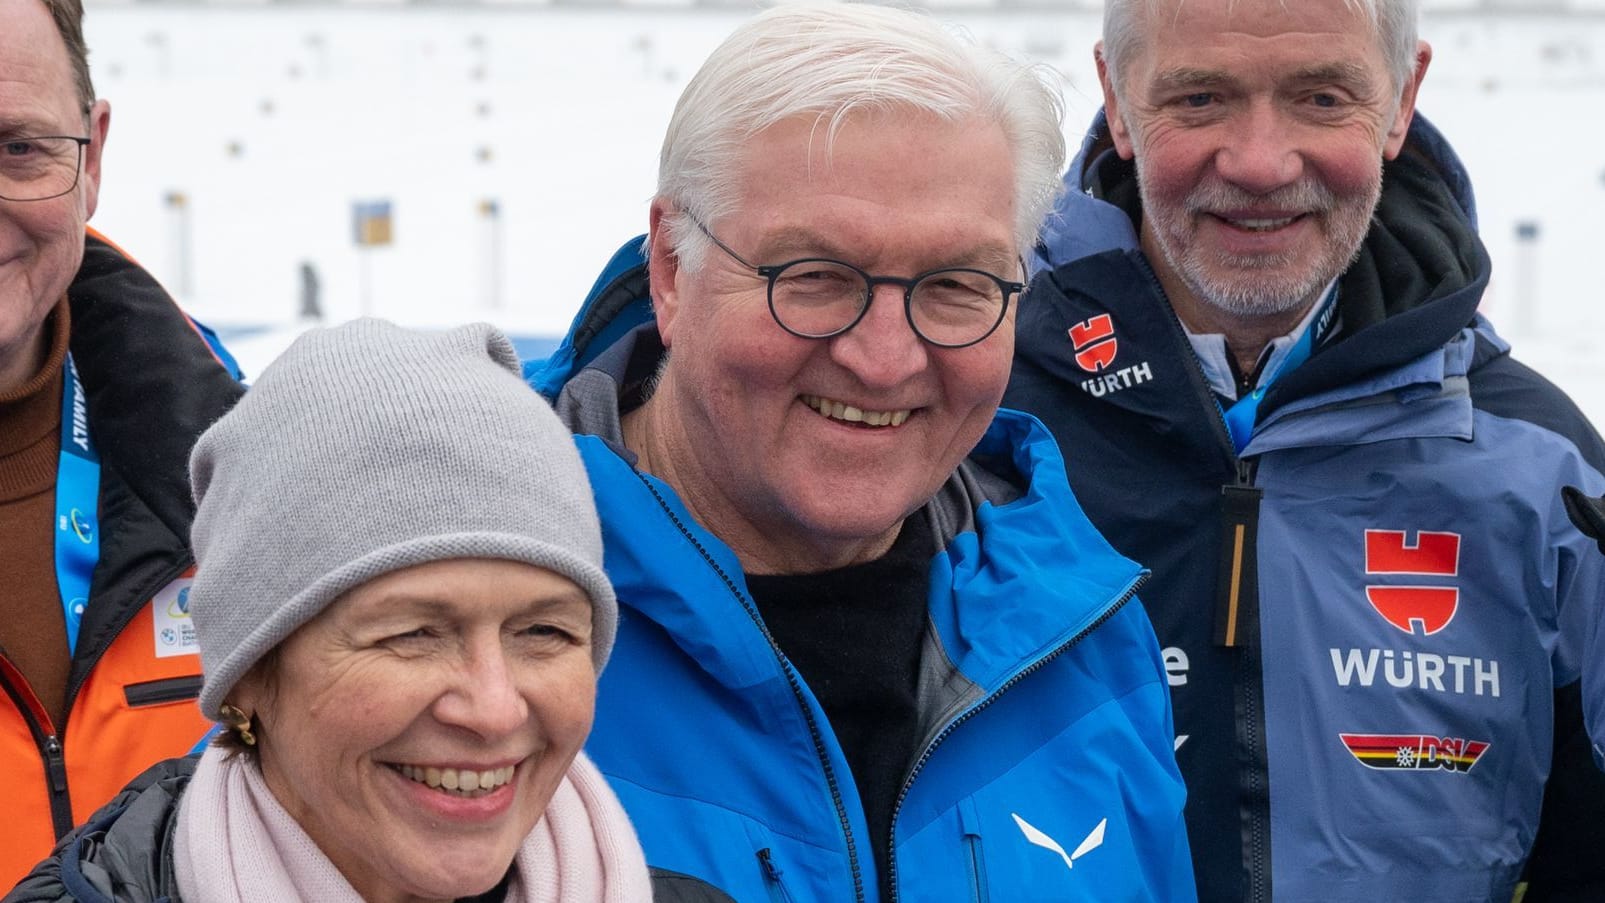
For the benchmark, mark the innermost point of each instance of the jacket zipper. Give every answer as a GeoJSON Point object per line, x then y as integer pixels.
{"type": "Point", "coordinates": [1118, 603]}
{"type": "Point", "coordinates": [792, 680]}
{"type": "Point", "coordinates": [49, 745]}
{"type": "Point", "coordinates": [1224, 434]}
{"type": "Point", "coordinates": [1256, 822]}
{"type": "Point", "coordinates": [771, 873]}
{"type": "Point", "coordinates": [1237, 584]}
{"type": "Point", "coordinates": [1256, 829]}
{"type": "Point", "coordinates": [56, 769]}
{"type": "Point", "coordinates": [53, 746]}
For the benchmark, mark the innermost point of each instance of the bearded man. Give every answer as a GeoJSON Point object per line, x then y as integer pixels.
{"type": "Point", "coordinates": [1254, 332]}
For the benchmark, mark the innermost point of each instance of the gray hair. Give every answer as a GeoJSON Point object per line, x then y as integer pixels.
{"type": "Point", "coordinates": [1395, 21]}
{"type": "Point", "coordinates": [68, 16]}
{"type": "Point", "coordinates": [832, 60]}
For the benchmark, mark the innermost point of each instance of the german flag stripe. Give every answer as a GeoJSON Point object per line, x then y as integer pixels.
{"type": "Point", "coordinates": [1375, 744]}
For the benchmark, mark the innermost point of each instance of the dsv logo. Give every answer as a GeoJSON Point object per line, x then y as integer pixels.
{"type": "Point", "coordinates": [1422, 610]}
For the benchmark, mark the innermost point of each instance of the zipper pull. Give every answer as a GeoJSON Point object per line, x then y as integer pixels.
{"type": "Point", "coordinates": [55, 764]}
{"type": "Point", "coordinates": [770, 870]}
{"type": "Point", "coordinates": [1237, 590]}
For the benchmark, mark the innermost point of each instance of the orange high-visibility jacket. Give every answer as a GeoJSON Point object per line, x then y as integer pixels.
{"type": "Point", "coordinates": [153, 384]}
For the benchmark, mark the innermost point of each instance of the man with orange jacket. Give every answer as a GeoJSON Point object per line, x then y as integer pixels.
{"type": "Point", "coordinates": [104, 386]}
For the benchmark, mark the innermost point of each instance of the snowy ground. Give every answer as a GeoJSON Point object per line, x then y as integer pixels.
{"type": "Point", "coordinates": [242, 136]}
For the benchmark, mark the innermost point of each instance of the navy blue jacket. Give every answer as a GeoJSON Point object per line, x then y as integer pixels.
{"type": "Point", "coordinates": [1411, 602]}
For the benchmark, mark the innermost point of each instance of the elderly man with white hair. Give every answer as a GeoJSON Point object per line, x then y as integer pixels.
{"type": "Point", "coordinates": [869, 648]}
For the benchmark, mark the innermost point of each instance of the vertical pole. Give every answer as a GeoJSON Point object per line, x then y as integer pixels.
{"type": "Point", "coordinates": [371, 227]}
{"type": "Point", "coordinates": [164, 57]}
{"type": "Point", "coordinates": [490, 213]}
{"type": "Point", "coordinates": [320, 55]}
{"type": "Point", "coordinates": [1527, 235]}
{"type": "Point", "coordinates": [365, 280]}
{"type": "Point", "coordinates": [179, 225]}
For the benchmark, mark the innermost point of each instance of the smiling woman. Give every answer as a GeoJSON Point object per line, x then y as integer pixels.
{"type": "Point", "coordinates": [443, 702]}
{"type": "Point", "coordinates": [402, 612]}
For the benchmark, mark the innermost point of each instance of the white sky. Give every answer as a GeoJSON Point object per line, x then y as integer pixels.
{"type": "Point", "coordinates": [272, 121]}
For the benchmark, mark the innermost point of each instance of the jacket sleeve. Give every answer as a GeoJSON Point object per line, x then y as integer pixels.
{"type": "Point", "coordinates": [1582, 612]}
{"type": "Point", "coordinates": [1565, 866]}
{"type": "Point", "coordinates": [673, 887]}
{"type": "Point", "coordinates": [1588, 515]}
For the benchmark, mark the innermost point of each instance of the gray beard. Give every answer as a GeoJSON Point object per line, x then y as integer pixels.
{"type": "Point", "coordinates": [1266, 298]}
{"type": "Point", "coordinates": [1279, 291]}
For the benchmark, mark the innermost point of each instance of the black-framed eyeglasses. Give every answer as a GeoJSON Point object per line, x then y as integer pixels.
{"type": "Point", "coordinates": [40, 168]}
{"type": "Point", "coordinates": [816, 298]}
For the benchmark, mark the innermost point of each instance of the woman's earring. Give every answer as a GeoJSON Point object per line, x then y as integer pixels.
{"type": "Point", "coordinates": [238, 722]}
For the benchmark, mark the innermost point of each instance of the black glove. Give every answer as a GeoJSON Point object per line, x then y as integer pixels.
{"type": "Point", "coordinates": [1588, 514]}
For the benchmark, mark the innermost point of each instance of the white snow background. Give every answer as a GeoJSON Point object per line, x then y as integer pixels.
{"type": "Point", "coordinates": [243, 133]}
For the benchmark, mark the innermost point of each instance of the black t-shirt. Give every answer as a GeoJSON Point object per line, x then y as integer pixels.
{"type": "Point", "coordinates": [854, 634]}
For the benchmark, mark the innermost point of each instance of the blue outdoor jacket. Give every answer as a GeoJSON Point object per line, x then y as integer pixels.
{"type": "Point", "coordinates": [1046, 771]}
{"type": "Point", "coordinates": [1413, 639]}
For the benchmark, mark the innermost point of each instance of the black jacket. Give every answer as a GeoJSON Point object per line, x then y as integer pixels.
{"type": "Point", "coordinates": [152, 383]}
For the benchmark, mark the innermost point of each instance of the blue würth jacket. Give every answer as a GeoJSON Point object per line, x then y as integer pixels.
{"type": "Point", "coordinates": [1046, 770]}
{"type": "Point", "coordinates": [1412, 605]}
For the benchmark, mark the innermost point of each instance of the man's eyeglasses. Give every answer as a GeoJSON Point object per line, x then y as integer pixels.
{"type": "Point", "coordinates": [816, 298]}
{"type": "Point", "coordinates": [38, 169]}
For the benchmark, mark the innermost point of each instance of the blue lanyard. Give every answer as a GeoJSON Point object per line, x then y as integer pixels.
{"type": "Point", "coordinates": [1240, 417]}
{"type": "Point", "coordinates": [77, 500]}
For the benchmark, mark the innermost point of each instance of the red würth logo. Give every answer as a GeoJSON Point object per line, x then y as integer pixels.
{"type": "Point", "coordinates": [1094, 342]}
{"type": "Point", "coordinates": [1421, 610]}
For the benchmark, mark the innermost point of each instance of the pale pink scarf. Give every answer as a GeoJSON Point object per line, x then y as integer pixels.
{"type": "Point", "coordinates": [234, 843]}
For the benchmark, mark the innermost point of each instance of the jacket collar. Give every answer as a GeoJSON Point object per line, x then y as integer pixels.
{"type": "Point", "coordinates": [1415, 285]}
{"type": "Point", "coordinates": [153, 384]}
{"type": "Point", "coordinates": [1007, 512]}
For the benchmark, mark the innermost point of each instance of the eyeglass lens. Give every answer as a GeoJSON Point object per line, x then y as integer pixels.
{"type": "Point", "coordinates": [33, 169]}
{"type": "Point", "coordinates": [948, 307]}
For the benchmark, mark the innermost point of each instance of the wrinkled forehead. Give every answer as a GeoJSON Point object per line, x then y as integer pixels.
{"type": "Point", "coordinates": [876, 180]}
{"type": "Point", "coordinates": [1255, 16]}
{"type": "Point", "coordinates": [1167, 39]}
{"type": "Point", "coordinates": [821, 138]}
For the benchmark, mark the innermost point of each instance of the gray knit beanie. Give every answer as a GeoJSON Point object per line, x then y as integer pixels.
{"type": "Point", "coordinates": [365, 449]}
